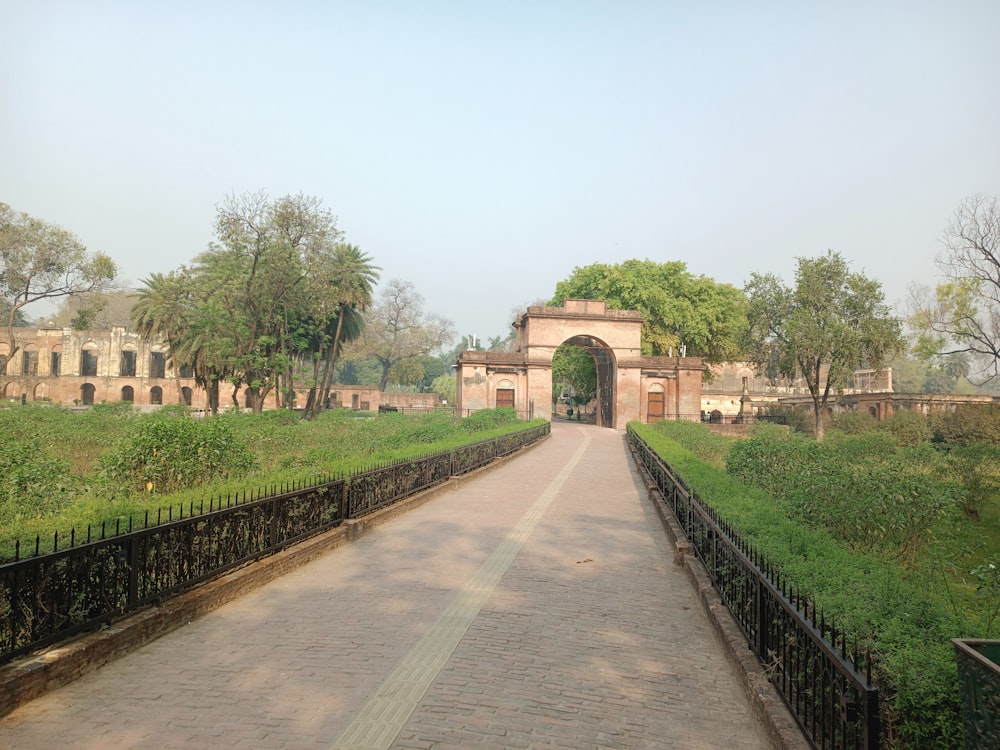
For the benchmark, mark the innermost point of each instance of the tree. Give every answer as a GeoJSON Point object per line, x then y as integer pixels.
{"type": "Point", "coordinates": [963, 314]}
{"type": "Point", "coordinates": [42, 261]}
{"type": "Point", "coordinates": [258, 272]}
{"type": "Point", "coordinates": [397, 329]}
{"type": "Point", "coordinates": [830, 324]}
{"type": "Point", "coordinates": [574, 375]}
{"type": "Point", "coordinates": [96, 310]}
{"type": "Point", "coordinates": [679, 308]}
{"type": "Point", "coordinates": [346, 283]}
{"type": "Point", "coordinates": [445, 386]}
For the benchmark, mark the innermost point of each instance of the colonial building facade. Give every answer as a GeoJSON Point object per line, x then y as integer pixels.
{"type": "Point", "coordinates": [69, 367]}
{"type": "Point", "coordinates": [66, 366]}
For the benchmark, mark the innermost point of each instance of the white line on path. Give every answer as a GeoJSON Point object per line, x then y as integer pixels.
{"type": "Point", "coordinates": [381, 719]}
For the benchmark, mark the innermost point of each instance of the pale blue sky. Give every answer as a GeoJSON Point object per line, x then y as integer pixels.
{"type": "Point", "coordinates": [483, 150]}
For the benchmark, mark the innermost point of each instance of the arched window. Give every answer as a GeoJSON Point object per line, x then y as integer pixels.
{"type": "Point", "coordinates": [87, 394]}
{"type": "Point", "coordinates": [39, 394]}
{"type": "Point", "coordinates": [156, 395]}
{"type": "Point", "coordinates": [186, 395]}
{"type": "Point", "coordinates": [128, 394]}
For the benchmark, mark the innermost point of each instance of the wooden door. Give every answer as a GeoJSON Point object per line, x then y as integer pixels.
{"type": "Point", "coordinates": [505, 398]}
{"type": "Point", "coordinates": [655, 405]}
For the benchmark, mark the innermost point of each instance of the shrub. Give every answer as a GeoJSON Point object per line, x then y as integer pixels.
{"type": "Point", "coordinates": [968, 423]}
{"type": "Point", "coordinates": [32, 484]}
{"type": "Point", "coordinates": [489, 419]}
{"type": "Point", "coordinates": [976, 469]}
{"type": "Point", "coordinates": [698, 439]}
{"type": "Point", "coordinates": [165, 452]}
{"type": "Point", "coordinates": [853, 422]}
{"type": "Point", "coordinates": [909, 427]}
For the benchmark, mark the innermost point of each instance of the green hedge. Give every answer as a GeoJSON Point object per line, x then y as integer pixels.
{"type": "Point", "coordinates": [904, 626]}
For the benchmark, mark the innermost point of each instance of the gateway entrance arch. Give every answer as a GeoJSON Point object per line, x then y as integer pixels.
{"type": "Point", "coordinates": [630, 387]}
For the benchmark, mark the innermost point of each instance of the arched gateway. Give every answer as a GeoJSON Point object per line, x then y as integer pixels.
{"type": "Point", "coordinates": [625, 379]}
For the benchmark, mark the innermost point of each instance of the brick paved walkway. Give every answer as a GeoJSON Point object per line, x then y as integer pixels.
{"type": "Point", "coordinates": [536, 606]}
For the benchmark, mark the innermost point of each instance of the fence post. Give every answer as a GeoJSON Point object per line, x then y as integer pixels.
{"type": "Point", "coordinates": [133, 570]}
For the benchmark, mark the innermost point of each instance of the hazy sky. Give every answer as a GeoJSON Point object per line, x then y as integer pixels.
{"type": "Point", "coordinates": [483, 150]}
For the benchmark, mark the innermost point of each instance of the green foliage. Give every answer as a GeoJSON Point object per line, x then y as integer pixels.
{"type": "Point", "coordinates": [910, 428]}
{"type": "Point", "coordinates": [902, 622]}
{"type": "Point", "coordinates": [678, 307]}
{"type": "Point", "coordinates": [976, 469]}
{"type": "Point", "coordinates": [698, 439]}
{"type": "Point", "coordinates": [832, 322]}
{"type": "Point", "coordinates": [574, 372]}
{"type": "Point", "coordinates": [445, 387]}
{"type": "Point", "coordinates": [853, 422]}
{"type": "Point", "coordinates": [967, 423]}
{"type": "Point", "coordinates": [797, 420]}
{"type": "Point", "coordinates": [489, 419]}
{"type": "Point", "coordinates": [32, 483]}
{"type": "Point", "coordinates": [864, 489]}
{"type": "Point", "coordinates": [164, 453]}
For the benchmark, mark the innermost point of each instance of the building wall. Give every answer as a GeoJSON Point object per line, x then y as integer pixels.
{"type": "Point", "coordinates": [108, 383]}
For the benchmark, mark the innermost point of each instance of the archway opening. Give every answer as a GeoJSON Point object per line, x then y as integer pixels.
{"type": "Point", "coordinates": [583, 380]}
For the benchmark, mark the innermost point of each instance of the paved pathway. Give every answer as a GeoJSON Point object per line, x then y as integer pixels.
{"type": "Point", "coordinates": [536, 606]}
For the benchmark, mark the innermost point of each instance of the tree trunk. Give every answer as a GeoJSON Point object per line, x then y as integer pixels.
{"type": "Point", "coordinates": [331, 359]}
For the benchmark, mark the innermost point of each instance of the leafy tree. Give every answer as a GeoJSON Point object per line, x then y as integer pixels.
{"type": "Point", "coordinates": [40, 261]}
{"type": "Point", "coordinates": [345, 284]}
{"type": "Point", "coordinates": [832, 322]}
{"type": "Point", "coordinates": [445, 386]}
{"type": "Point", "coordinates": [398, 330]}
{"type": "Point", "coordinates": [176, 308]}
{"type": "Point", "coordinates": [962, 316]}
{"type": "Point", "coordinates": [680, 308]}
{"type": "Point", "coordinates": [5, 310]}
{"type": "Point", "coordinates": [96, 310]}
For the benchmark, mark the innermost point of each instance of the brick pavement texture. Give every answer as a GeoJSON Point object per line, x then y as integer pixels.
{"type": "Point", "coordinates": [534, 607]}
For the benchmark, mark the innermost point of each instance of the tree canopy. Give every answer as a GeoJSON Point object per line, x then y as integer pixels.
{"type": "Point", "coordinates": [275, 290]}
{"type": "Point", "coordinates": [398, 332]}
{"type": "Point", "coordinates": [680, 308]}
{"type": "Point", "coordinates": [830, 323]}
{"type": "Point", "coordinates": [962, 315]}
{"type": "Point", "coordinates": [42, 261]}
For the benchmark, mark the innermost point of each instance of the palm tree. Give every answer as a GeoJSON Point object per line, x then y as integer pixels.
{"type": "Point", "coordinates": [350, 283]}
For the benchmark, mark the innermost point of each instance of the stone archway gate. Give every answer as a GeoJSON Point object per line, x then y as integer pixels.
{"type": "Point", "coordinates": [625, 378]}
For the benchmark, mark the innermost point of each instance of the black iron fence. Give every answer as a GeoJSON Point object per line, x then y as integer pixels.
{"type": "Point", "coordinates": [835, 704]}
{"type": "Point", "coordinates": [49, 597]}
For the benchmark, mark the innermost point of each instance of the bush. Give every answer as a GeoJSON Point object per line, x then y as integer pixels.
{"type": "Point", "coordinates": [968, 423]}
{"type": "Point", "coordinates": [976, 469]}
{"type": "Point", "coordinates": [853, 422]}
{"type": "Point", "coordinates": [909, 427]}
{"type": "Point", "coordinates": [32, 484]}
{"type": "Point", "coordinates": [698, 439]}
{"type": "Point", "coordinates": [165, 452]}
{"type": "Point", "coordinates": [489, 419]}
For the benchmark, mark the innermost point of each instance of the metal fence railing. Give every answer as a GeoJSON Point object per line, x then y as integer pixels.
{"type": "Point", "coordinates": [49, 597]}
{"type": "Point", "coordinates": [834, 703]}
